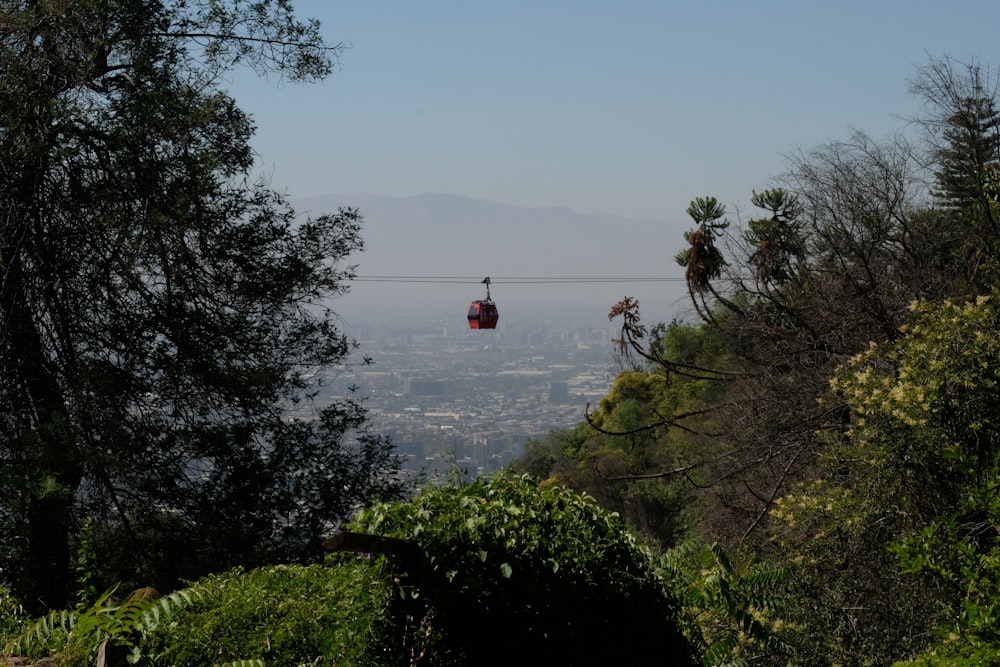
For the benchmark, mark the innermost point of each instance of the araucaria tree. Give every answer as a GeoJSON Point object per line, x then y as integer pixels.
{"type": "Point", "coordinates": [163, 317]}
{"type": "Point", "coordinates": [962, 129]}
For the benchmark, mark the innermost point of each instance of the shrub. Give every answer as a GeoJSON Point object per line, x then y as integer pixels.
{"type": "Point", "coordinates": [103, 633]}
{"type": "Point", "coordinates": [510, 573]}
{"type": "Point", "coordinates": [281, 615]}
{"type": "Point", "coordinates": [498, 572]}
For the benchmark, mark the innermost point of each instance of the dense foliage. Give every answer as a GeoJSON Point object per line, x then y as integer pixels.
{"type": "Point", "coordinates": [509, 572]}
{"type": "Point", "coordinates": [496, 572]}
{"type": "Point", "coordinates": [587, 459]}
{"type": "Point", "coordinates": [810, 465]}
{"type": "Point", "coordinates": [163, 318]}
{"type": "Point", "coordinates": [329, 614]}
{"type": "Point", "coordinates": [831, 408]}
{"type": "Point", "coordinates": [278, 615]}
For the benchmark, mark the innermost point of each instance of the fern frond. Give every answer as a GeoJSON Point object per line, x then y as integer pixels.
{"type": "Point", "coordinates": [685, 551]}
{"type": "Point", "coordinates": [41, 631]}
{"type": "Point", "coordinates": [103, 621]}
{"type": "Point", "coordinates": [713, 555]}
{"type": "Point", "coordinates": [763, 577]}
{"type": "Point", "coordinates": [155, 610]}
{"type": "Point", "coordinates": [719, 650]}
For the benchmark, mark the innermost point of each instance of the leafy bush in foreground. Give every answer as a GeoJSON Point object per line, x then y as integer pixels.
{"type": "Point", "coordinates": [510, 573]}
{"type": "Point", "coordinates": [495, 573]}
{"type": "Point", "coordinates": [105, 632]}
{"type": "Point", "coordinates": [282, 615]}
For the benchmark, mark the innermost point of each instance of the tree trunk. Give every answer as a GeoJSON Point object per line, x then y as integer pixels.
{"type": "Point", "coordinates": [56, 465]}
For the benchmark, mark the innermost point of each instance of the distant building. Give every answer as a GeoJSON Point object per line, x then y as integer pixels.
{"type": "Point", "coordinates": [558, 393]}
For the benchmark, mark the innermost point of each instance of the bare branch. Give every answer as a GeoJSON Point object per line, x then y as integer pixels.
{"type": "Point", "coordinates": [671, 422]}
{"type": "Point", "coordinates": [682, 470]}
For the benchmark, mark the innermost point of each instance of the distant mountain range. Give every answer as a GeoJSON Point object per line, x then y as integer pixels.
{"type": "Point", "coordinates": [444, 235]}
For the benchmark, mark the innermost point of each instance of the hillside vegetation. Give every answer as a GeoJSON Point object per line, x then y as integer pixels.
{"type": "Point", "coordinates": [832, 407]}
{"type": "Point", "coordinates": [804, 472]}
{"type": "Point", "coordinates": [492, 573]}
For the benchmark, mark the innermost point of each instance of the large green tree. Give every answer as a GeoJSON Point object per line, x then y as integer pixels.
{"type": "Point", "coordinates": [164, 318]}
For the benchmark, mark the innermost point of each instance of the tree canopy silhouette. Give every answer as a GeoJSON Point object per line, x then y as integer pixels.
{"type": "Point", "coordinates": [164, 318]}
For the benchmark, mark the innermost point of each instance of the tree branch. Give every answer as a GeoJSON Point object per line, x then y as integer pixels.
{"type": "Point", "coordinates": [664, 422]}
{"type": "Point", "coordinates": [683, 470]}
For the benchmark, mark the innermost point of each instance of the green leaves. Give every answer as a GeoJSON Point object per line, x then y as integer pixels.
{"type": "Point", "coordinates": [707, 211]}
{"type": "Point", "coordinates": [82, 633]}
{"type": "Point", "coordinates": [926, 404]}
{"type": "Point", "coordinates": [914, 473]}
{"type": "Point", "coordinates": [545, 568]}
{"type": "Point", "coordinates": [164, 311]}
{"type": "Point", "coordinates": [728, 611]}
{"type": "Point", "coordinates": [962, 550]}
{"type": "Point", "coordinates": [283, 615]}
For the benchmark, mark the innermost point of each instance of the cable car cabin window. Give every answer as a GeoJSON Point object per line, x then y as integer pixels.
{"type": "Point", "coordinates": [483, 315]}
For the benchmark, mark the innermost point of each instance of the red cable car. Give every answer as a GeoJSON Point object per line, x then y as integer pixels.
{"type": "Point", "coordinates": [483, 313]}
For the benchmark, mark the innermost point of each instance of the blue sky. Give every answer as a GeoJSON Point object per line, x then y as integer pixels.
{"type": "Point", "coordinates": [632, 107]}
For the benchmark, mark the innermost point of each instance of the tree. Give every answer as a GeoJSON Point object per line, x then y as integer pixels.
{"type": "Point", "coordinates": [777, 241]}
{"type": "Point", "coordinates": [624, 455]}
{"type": "Point", "coordinates": [963, 133]}
{"type": "Point", "coordinates": [703, 261]}
{"type": "Point", "coordinates": [846, 242]}
{"type": "Point", "coordinates": [164, 319]}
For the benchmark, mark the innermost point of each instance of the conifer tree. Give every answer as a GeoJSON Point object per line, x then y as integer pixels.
{"type": "Point", "coordinates": [963, 130]}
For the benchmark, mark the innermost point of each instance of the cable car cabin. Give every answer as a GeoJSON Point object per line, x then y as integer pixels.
{"type": "Point", "coordinates": [483, 315]}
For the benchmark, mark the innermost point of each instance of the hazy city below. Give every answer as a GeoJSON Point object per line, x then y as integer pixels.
{"type": "Point", "coordinates": [455, 398]}
{"type": "Point", "coordinates": [451, 397]}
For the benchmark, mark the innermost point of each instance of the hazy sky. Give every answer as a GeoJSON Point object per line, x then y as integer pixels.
{"type": "Point", "coordinates": [629, 106]}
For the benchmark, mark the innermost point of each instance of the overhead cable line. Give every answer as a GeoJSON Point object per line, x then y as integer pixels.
{"type": "Point", "coordinates": [511, 280]}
